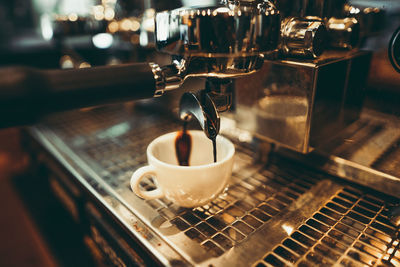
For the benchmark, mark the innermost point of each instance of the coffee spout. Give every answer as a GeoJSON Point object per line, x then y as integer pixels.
{"type": "Point", "coordinates": [201, 107]}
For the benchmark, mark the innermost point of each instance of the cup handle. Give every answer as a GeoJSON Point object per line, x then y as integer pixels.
{"type": "Point", "coordinates": [137, 176]}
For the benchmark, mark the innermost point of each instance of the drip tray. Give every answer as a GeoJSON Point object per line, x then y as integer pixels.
{"type": "Point", "coordinates": [280, 214]}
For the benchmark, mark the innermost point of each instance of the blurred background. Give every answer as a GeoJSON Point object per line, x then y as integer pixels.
{"type": "Point", "coordinates": [34, 229]}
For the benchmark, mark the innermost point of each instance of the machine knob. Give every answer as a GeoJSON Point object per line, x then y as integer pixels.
{"type": "Point", "coordinates": [302, 37]}
{"type": "Point", "coordinates": [343, 32]}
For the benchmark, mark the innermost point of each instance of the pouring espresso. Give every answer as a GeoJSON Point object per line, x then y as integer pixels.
{"type": "Point", "coordinates": [183, 145]}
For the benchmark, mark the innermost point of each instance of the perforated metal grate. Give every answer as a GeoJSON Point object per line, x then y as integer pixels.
{"type": "Point", "coordinates": [120, 155]}
{"type": "Point", "coordinates": [249, 202]}
{"type": "Point", "coordinates": [255, 194]}
{"type": "Point", "coordinates": [352, 229]}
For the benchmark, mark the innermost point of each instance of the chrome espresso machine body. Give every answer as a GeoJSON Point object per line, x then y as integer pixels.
{"type": "Point", "coordinates": [316, 178]}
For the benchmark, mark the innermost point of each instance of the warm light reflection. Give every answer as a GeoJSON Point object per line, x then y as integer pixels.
{"type": "Point", "coordinates": [377, 244]}
{"type": "Point", "coordinates": [369, 10]}
{"type": "Point", "coordinates": [373, 252]}
{"type": "Point", "coordinates": [98, 9]}
{"type": "Point", "coordinates": [84, 65]}
{"type": "Point", "coordinates": [337, 26]}
{"type": "Point", "coordinates": [73, 17]}
{"type": "Point", "coordinates": [148, 25]}
{"type": "Point", "coordinates": [109, 13]}
{"type": "Point", "coordinates": [113, 27]}
{"type": "Point", "coordinates": [108, 2]}
{"type": "Point", "coordinates": [151, 12]}
{"type": "Point", "coordinates": [354, 10]}
{"type": "Point", "coordinates": [395, 262]}
{"type": "Point", "coordinates": [135, 39]}
{"type": "Point", "coordinates": [66, 62]}
{"type": "Point", "coordinates": [126, 24]}
{"type": "Point", "coordinates": [125, 212]}
{"type": "Point", "coordinates": [288, 229]}
{"type": "Point", "coordinates": [222, 10]}
{"type": "Point", "coordinates": [135, 26]}
{"type": "Point", "coordinates": [245, 137]}
{"type": "Point", "coordinates": [98, 12]}
{"type": "Point", "coordinates": [99, 16]}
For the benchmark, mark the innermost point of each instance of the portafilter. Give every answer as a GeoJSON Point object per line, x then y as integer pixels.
{"type": "Point", "coordinates": [223, 41]}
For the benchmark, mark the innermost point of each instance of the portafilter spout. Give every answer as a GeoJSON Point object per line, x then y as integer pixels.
{"type": "Point", "coordinates": [206, 104]}
{"type": "Point", "coordinates": [203, 109]}
{"type": "Point", "coordinates": [220, 43]}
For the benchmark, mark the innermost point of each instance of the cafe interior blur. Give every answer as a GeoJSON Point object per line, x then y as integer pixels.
{"type": "Point", "coordinates": [307, 90]}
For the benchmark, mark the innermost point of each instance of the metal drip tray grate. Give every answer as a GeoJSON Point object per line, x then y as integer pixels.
{"type": "Point", "coordinates": [351, 229]}
{"type": "Point", "coordinates": [246, 206]}
{"type": "Point", "coordinates": [275, 215]}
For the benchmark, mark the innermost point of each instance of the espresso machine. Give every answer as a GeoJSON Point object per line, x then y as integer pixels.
{"type": "Point", "coordinates": [316, 178]}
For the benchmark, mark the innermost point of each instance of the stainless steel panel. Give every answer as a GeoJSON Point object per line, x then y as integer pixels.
{"type": "Point", "coordinates": [303, 104]}
{"type": "Point", "coordinates": [366, 152]}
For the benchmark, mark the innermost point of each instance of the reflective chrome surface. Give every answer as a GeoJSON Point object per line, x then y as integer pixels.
{"type": "Point", "coordinates": [206, 104]}
{"type": "Point", "coordinates": [290, 211]}
{"type": "Point", "coordinates": [371, 18]}
{"type": "Point", "coordinates": [228, 40]}
{"type": "Point", "coordinates": [303, 37]}
{"type": "Point", "coordinates": [343, 32]}
{"type": "Point", "coordinates": [348, 23]}
{"type": "Point", "coordinates": [222, 41]}
{"type": "Point", "coordinates": [203, 109]}
{"type": "Point", "coordinates": [274, 214]}
{"type": "Point", "coordinates": [241, 29]}
{"type": "Point", "coordinates": [303, 104]}
{"type": "Point", "coordinates": [365, 152]}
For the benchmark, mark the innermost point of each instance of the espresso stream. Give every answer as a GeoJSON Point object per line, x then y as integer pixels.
{"type": "Point", "coordinates": [183, 146]}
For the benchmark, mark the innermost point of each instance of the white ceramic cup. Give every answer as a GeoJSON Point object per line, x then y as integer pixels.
{"type": "Point", "coordinates": [187, 186]}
